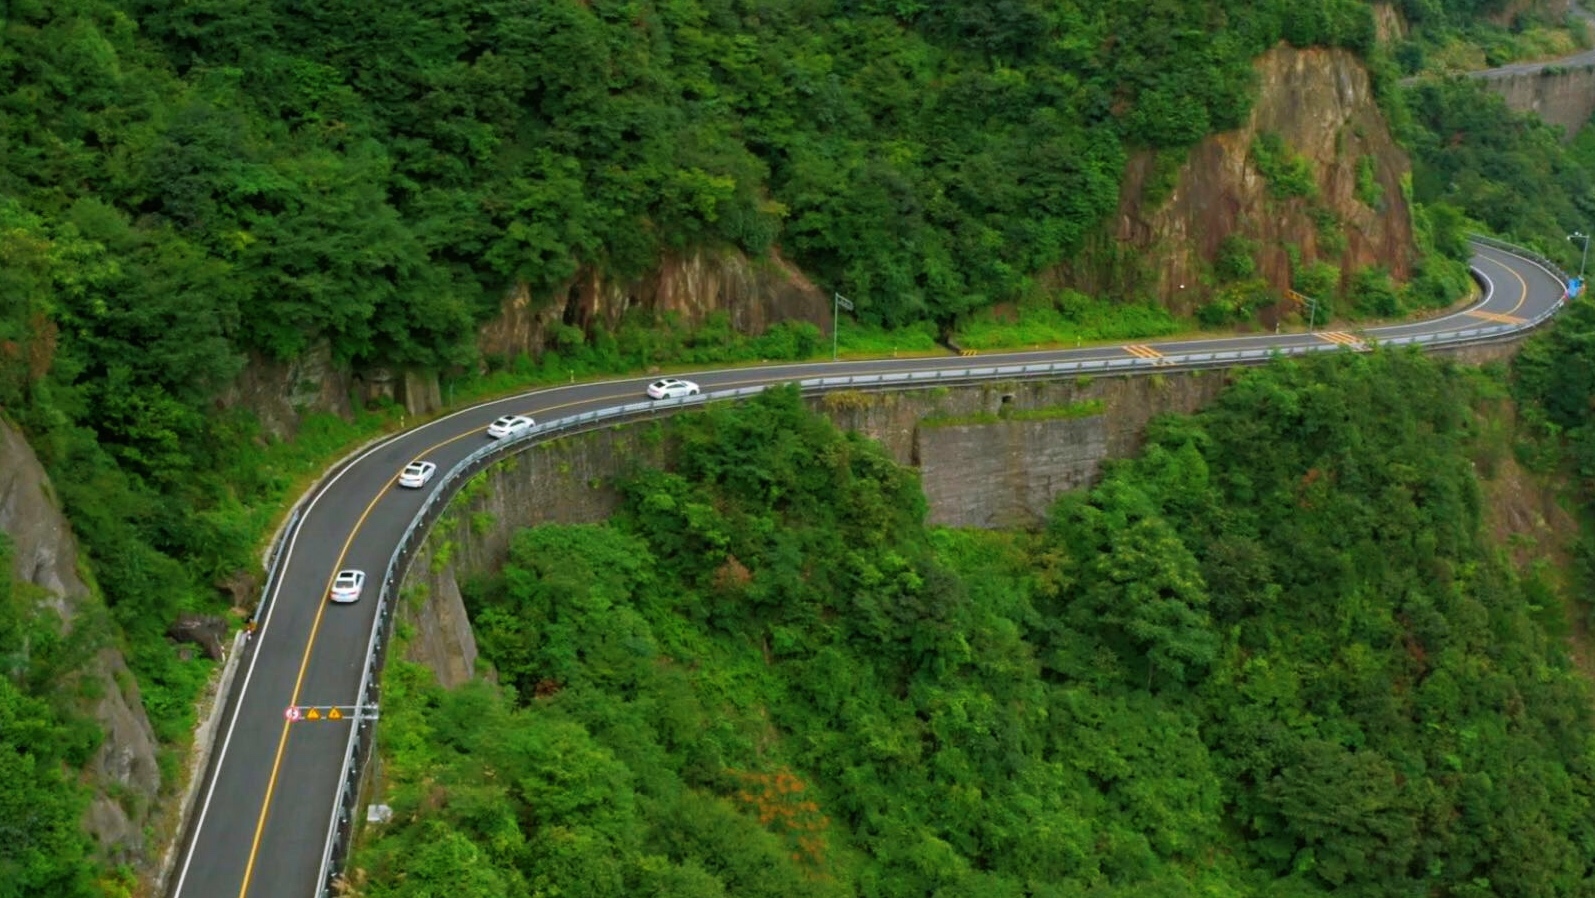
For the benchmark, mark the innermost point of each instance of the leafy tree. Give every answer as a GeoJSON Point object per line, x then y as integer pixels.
{"type": "Point", "coordinates": [1274, 649]}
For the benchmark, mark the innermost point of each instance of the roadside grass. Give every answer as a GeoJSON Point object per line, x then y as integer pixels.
{"type": "Point", "coordinates": [1490, 46]}
{"type": "Point", "coordinates": [1072, 319]}
{"type": "Point", "coordinates": [277, 472]}
{"type": "Point", "coordinates": [859, 340]}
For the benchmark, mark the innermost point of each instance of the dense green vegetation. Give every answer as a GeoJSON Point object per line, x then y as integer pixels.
{"type": "Point", "coordinates": [1554, 383]}
{"type": "Point", "coordinates": [1462, 37]}
{"type": "Point", "coordinates": [1273, 655]}
{"type": "Point", "coordinates": [183, 185]}
{"type": "Point", "coordinates": [1506, 170]}
{"type": "Point", "coordinates": [44, 850]}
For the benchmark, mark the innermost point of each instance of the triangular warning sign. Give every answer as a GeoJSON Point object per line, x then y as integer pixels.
{"type": "Point", "coordinates": [334, 714]}
{"type": "Point", "coordinates": [313, 714]}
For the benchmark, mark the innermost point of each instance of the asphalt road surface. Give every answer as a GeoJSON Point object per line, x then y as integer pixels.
{"type": "Point", "coordinates": [261, 821]}
{"type": "Point", "coordinates": [1582, 59]}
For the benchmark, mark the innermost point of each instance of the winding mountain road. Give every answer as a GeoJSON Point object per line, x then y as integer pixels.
{"type": "Point", "coordinates": [260, 824]}
{"type": "Point", "coordinates": [1581, 59]}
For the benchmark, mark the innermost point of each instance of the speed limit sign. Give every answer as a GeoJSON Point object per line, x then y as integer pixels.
{"type": "Point", "coordinates": [292, 713]}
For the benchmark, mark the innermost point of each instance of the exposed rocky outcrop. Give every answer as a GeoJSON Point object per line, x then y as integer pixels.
{"type": "Point", "coordinates": [754, 293]}
{"type": "Point", "coordinates": [123, 772]}
{"type": "Point", "coordinates": [1562, 94]}
{"type": "Point", "coordinates": [1560, 91]}
{"type": "Point", "coordinates": [1002, 473]}
{"type": "Point", "coordinates": [281, 393]}
{"type": "Point", "coordinates": [689, 287]}
{"type": "Point", "coordinates": [207, 631]}
{"type": "Point", "coordinates": [1320, 104]}
{"type": "Point", "coordinates": [1389, 25]}
{"type": "Point", "coordinates": [566, 481]}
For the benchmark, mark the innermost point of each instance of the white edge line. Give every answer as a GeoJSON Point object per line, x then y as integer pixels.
{"type": "Point", "coordinates": [562, 388]}
{"type": "Point", "coordinates": [520, 397]}
{"type": "Point", "coordinates": [265, 626]}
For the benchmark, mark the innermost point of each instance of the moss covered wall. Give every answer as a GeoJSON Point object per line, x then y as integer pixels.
{"type": "Point", "coordinates": [989, 457]}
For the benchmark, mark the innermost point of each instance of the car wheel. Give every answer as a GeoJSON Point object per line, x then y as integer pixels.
{"type": "Point", "coordinates": [693, 391]}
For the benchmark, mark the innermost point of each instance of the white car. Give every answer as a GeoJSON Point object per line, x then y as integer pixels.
{"type": "Point", "coordinates": [671, 387]}
{"type": "Point", "coordinates": [347, 585]}
{"type": "Point", "coordinates": [509, 425]}
{"type": "Point", "coordinates": [416, 474]}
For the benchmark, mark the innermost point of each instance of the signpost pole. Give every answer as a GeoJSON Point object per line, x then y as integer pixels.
{"type": "Point", "coordinates": [838, 301]}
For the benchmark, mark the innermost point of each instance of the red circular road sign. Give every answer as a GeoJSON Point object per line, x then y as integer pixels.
{"type": "Point", "coordinates": [292, 713]}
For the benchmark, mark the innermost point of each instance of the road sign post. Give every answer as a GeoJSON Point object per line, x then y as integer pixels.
{"type": "Point", "coordinates": [314, 713]}
{"type": "Point", "coordinates": [1302, 299]}
{"type": "Point", "coordinates": [838, 301]}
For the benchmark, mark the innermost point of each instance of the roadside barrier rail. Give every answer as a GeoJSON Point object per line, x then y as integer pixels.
{"type": "Point", "coordinates": [362, 731]}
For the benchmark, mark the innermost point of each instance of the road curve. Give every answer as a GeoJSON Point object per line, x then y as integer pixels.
{"type": "Point", "coordinates": [260, 825]}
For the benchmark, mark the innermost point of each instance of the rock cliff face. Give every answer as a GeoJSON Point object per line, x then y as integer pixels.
{"type": "Point", "coordinates": [1561, 94]}
{"type": "Point", "coordinates": [564, 482]}
{"type": "Point", "coordinates": [1320, 104]}
{"type": "Point", "coordinates": [987, 475]}
{"type": "Point", "coordinates": [755, 293]}
{"type": "Point", "coordinates": [45, 554]}
{"type": "Point", "coordinates": [281, 393]}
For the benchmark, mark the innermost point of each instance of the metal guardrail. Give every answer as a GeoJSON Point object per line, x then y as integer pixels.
{"type": "Point", "coordinates": [361, 734]}
{"type": "Point", "coordinates": [1522, 252]}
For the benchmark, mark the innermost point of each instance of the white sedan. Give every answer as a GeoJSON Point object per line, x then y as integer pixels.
{"type": "Point", "coordinates": [416, 474]}
{"type": "Point", "coordinates": [509, 425]}
{"type": "Point", "coordinates": [671, 387]}
{"type": "Point", "coordinates": [347, 585]}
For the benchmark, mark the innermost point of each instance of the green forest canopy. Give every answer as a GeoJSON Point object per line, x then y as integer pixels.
{"type": "Point", "coordinates": [181, 184]}
{"type": "Point", "coordinates": [184, 184]}
{"type": "Point", "coordinates": [1273, 655]}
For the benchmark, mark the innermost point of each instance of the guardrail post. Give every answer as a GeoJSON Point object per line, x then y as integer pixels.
{"type": "Point", "coordinates": [361, 745]}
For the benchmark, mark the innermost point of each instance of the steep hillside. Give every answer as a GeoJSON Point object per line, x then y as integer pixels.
{"type": "Point", "coordinates": [217, 218]}
{"type": "Point", "coordinates": [67, 696]}
{"type": "Point", "coordinates": [1275, 654]}
{"type": "Point", "coordinates": [1314, 176]}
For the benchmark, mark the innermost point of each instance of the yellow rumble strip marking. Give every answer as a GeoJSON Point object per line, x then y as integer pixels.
{"type": "Point", "coordinates": [1343, 339]}
{"type": "Point", "coordinates": [1493, 316]}
{"type": "Point", "coordinates": [1143, 352]}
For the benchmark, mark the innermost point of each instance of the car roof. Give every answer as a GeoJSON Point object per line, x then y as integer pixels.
{"type": "Point", "coordinates": [350, 575]}
{"type": "Point", "coordinates": [671, 380]}
{"type": "Point", "coordinates": [417, 465]}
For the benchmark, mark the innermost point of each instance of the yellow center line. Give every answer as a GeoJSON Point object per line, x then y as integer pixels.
{"type": "Point", "coordinates": [304, 663]}
{"type": "Point", "coordinates": [315, 627]}
{"type": "Point", "coordinates": [554, 408]}
{"type": "Point", "coordinates": [1523, 295]}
